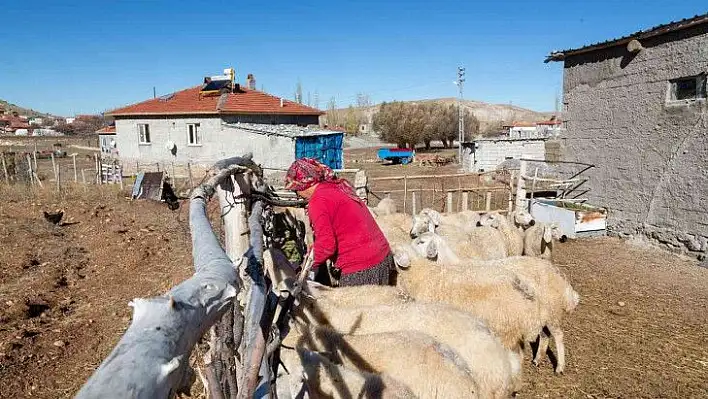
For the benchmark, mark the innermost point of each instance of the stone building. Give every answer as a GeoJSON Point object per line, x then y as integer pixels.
{"type": "Point", "coordinates": [636, 108]}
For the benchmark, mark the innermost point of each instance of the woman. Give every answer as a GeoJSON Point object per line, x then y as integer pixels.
{"type": "Point", "coordinates": [345, 232]}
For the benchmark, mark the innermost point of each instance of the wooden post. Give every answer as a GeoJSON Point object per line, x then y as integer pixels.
{"type": "Point", "coordinates": [58, 177]}
{"type": "Point", "coordinates": [29, 170]}
{"type": "Point", "coordinates": [448, 207]}
{"type": "Point", "coordinates": [413, 202]}
{"type": "Point", "coordinates": [83, 176]}
{"type": "Point", "coordinates": [488, 203]}
{"type": "Point", "coordinates": [511, 191]}
{"type": "Point", "coordinates": [465, 201]}
{"type": "Point", "coordinates": [4, 168]}
{"type": "Point", "coordinates": [189, 174]}
{"type": "Point", "coordinates": [405, 192]}
{"type": "Point", "coordinates": [120, 175]}
{"type": "Point", "coordinates": [54, 166]}
{"type": "Point", "coordinates": [157, 165]}
{"type": "Point", "coordinates": [520, 188]}
{"type": "Point", "coordinates": [76, 176]}
{"type": "Point", "coordinates": [533, 183]}
{"type": "Point", "coordinates": [98, 169]}
{"type": "Point", "coordinates": [34, 156]}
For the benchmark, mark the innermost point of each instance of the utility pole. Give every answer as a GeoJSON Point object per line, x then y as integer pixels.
{"type": "Point", "coordinates": [461, 134]}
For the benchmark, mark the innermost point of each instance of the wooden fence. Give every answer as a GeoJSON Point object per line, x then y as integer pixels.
{"type": "Point", "coordinates": [445, 193]}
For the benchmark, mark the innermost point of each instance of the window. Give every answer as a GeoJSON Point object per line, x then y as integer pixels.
{"type": "Point", "coordinates": [193, 135]}
{"type": "Point", "coordinates": [144, 133]}
{"type": "Point", "coordinates": [690, 88]}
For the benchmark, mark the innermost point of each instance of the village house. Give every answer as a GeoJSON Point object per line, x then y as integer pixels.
{"type": "Point", "coordinates": [220, 119]}
{"type": "Point", "coordinates": [522, 140]}
{"type": "Point", "coordinates": [636, 108]}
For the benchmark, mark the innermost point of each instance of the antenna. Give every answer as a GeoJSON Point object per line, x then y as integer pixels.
{"type": "Point", "coordinates": [461, 119]}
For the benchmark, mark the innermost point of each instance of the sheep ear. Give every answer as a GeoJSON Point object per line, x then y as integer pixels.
{"type": "Point", "coordinates": [547, 234]}
{"type": "Point", "coordinates": [432, 249]}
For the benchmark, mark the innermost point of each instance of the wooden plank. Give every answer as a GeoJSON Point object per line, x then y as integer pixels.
{"type": "Point", "coordinates": [448, 207]}
{"type": "Point", "coordinates": [465, 201]}
{"type": "Point", "coordinates": [4, 168]}
{"type": "Point", "coordinates": [413, 202]}
{"type": "Point", "coordinates": [76, 175]}
{"type": "Point", "coordinates": [488, 202]}
{"type": "Point", "coordinates": [405, 192]}
{"type": "Point", "coordinates": [29, 170]}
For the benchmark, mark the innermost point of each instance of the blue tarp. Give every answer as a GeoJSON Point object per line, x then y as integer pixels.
{"type": "Point", "coordinates": [326, 149]}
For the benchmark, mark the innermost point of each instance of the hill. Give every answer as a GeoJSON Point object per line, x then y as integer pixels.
{"type": "Point", "coordinates": [490, 116]}
{"type": "Point", "coordinates": [10, 108]}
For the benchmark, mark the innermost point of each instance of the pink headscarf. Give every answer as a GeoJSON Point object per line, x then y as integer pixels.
{"type": "Point", "coordinates": [306, 172]}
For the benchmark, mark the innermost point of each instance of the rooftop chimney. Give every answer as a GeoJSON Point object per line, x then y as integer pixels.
{"type": "Point", "coordinates": [251, 82]}
{"type": "Point", "coordinates": [281, 102]}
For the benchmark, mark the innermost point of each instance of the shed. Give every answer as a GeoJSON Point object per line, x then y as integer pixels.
{"type": "Point", "coordinates": [326, 146]}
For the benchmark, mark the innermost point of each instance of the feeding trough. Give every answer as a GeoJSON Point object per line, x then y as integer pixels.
{"type": "Point", "coordinates": [574, 219]}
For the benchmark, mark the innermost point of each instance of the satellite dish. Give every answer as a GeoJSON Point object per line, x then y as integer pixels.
{"type": "Point", "coordinates": [170, 145]}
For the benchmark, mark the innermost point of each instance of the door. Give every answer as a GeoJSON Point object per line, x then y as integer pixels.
{"type": "Point", "coordinates": [326, 149]}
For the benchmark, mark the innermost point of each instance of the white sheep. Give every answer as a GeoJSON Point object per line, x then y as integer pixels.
{"type": "Point", "coordinates": [513, 237]}
{"type": "Point", "coordinates": [395, 227]}
{"type": "Point", "coordinates": [538, 239]}
{"type": "Point", "coordinates": [465, 240]}
{"type": "Point", "coordinates": [426, 366]}
{"type": "Point", "coordinates": [534, 278]}
{"type": "Point", "coordinates": [386, 206]}
{"type": "Point", "coordinates": [495, 369]}
{"type": "Point", "coordinates": [557, 298]}
{"type": "Point", "coordinates": [330, 380]}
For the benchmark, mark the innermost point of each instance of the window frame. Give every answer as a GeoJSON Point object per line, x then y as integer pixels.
{"type": "Point", "coordinates": [198, 139]}
{"type": "Point", "coordinates": [701, 89]}
{"type": "Point", "coordinates": [144, 134]}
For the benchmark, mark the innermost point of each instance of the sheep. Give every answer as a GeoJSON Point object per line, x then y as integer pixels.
{"type": "Point", "coordinates": [557, 298]}
{"type": "Point", "coordinates": [334, 381]}
{"type": "Point", "coordinates": [534, 278]}
{"type": "Point", "coordinates": [427, 367]}
{"type": "Point", "coordinates": [469, 242]}
{"type": "Point", "coordinates": [513, 238]}
{"type": "Point", "coordinates": [386, 206]}
{"type": "Point", "coordinates": [395, 227]}
{"type": "Point", "coordinates": [495, 369]}
{"type": "Point", "coordinates": [538, 240]}
{"type": "Point", "coordinates": [358, 296]}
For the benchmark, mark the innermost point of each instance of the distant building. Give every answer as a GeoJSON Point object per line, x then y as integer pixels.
{"type": "Point", "coordinates": [534, 130]}
{"type": "Point", "coordinates": [220, 119]}
{"type": "Point", "coordinates": [69, 121]}
{"type": "Point", "coordinates": [637, 109]}
{"type": "Point", "coordinates": [107, 141]}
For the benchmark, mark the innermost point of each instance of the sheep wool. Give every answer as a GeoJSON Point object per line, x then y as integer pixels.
{"type": "Point", "coordinates": [329, 380]}
{"type": "Point", "coordinates": [430, 369]}
{"type": "Point", "coordinates": [495, 369]}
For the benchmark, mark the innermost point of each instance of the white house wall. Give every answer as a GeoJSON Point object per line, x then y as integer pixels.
{"type": "Point", "coordinates": [488, 154]}
{"type": "Point", "coordinates": [218, 142]}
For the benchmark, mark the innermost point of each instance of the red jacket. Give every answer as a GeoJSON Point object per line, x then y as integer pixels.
{"type": "Point", "coordinates": [344, 231]}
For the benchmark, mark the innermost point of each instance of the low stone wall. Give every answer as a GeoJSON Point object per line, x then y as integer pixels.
{"type": "Point", "coordinates": [672, 240]}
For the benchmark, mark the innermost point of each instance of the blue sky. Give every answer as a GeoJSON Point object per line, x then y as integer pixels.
{"type": "Point", "coordinates": [89, 56]}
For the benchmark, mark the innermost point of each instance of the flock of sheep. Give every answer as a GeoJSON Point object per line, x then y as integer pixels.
{"type": "Point", "coordinates": [472, 291]}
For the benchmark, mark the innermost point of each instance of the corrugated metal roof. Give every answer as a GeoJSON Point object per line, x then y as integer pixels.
{"type": "Point", "coordinates": [282, 130]}
{"type": "Point", "coordinates": [639, 35]}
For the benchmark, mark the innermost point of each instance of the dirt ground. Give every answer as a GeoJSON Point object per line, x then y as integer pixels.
{"type": "Point", "coordinates": [640, 330]}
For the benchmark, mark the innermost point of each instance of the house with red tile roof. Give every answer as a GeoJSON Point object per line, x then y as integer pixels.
{"type": "Point", "coordinates": [220, 119]}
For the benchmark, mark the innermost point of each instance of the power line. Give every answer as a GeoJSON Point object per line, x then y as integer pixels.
{"type": "Point", "coordinates": [461, 134]}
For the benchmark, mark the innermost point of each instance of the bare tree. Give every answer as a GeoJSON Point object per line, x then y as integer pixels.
{"type": "Point", "coordinates": [298, 92]}
{"type": "Point", "coordinates": [332, 113]}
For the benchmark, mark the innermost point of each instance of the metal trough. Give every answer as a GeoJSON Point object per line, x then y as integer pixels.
{"type": "Point", "coordinates": [574, 219]}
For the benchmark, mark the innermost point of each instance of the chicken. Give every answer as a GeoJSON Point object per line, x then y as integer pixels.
{"type": "Point", "coordinates": [55, 217]}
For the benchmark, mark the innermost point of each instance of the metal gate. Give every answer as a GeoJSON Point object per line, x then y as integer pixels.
{"type": "Point", "coordinates": [325, 148]}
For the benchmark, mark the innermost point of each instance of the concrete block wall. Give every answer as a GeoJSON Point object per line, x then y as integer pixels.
{"type": "Point", "coordinates": [651, 154]}
{"type": "Point", "coordinates": [489, 154]}
{"type": "Point", "coordinates": [218, 141]}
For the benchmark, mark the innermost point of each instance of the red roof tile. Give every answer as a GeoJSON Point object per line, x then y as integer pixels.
{"type": "Point", "coordinates": [107, 130]}
{"type": "Point", "coordinates": [191, 101]}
